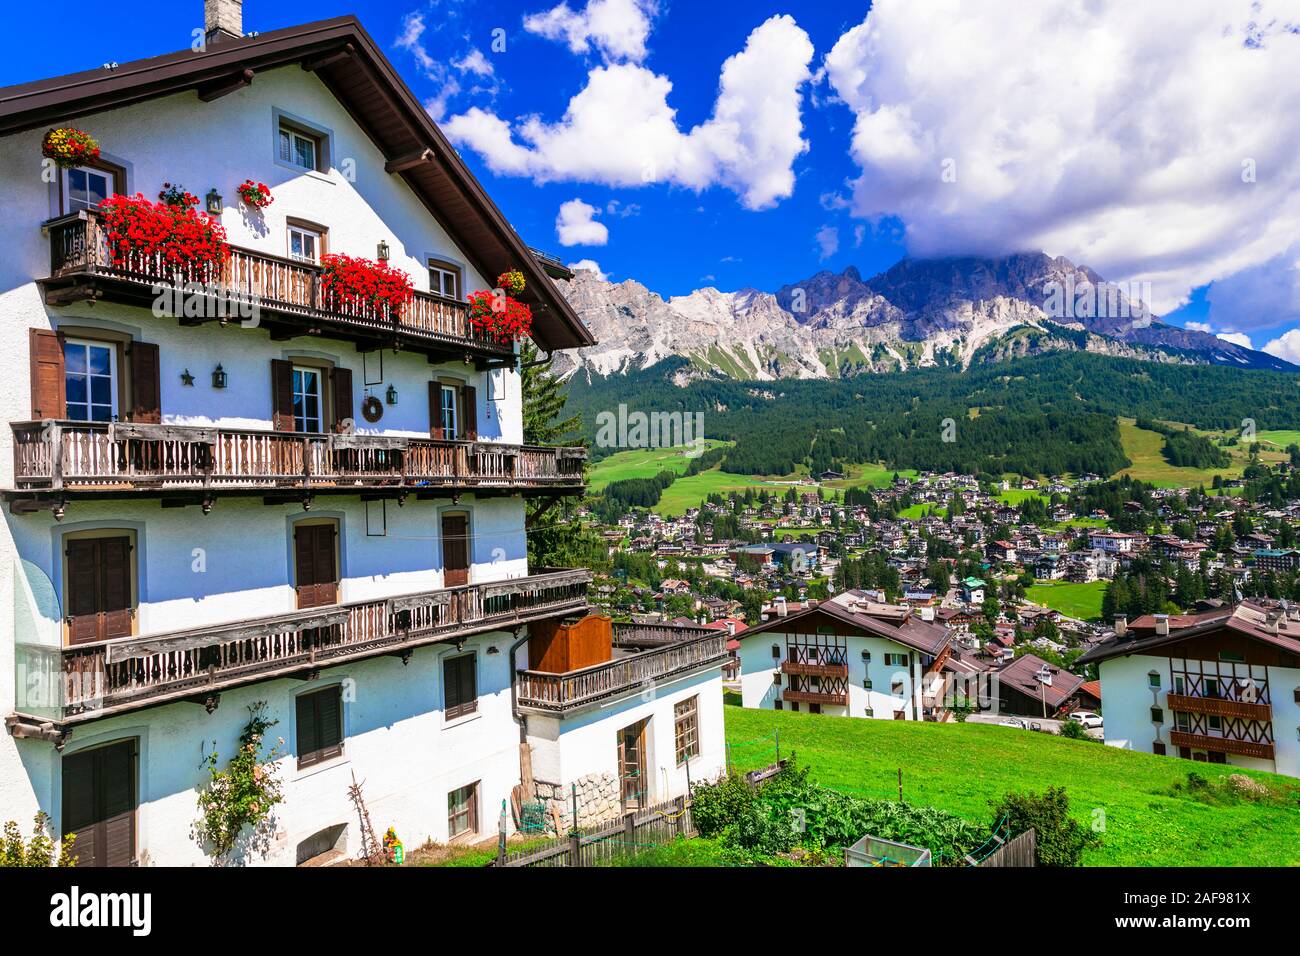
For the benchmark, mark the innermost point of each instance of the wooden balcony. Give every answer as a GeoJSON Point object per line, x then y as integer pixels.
{"type": "Point", "coordinates": [112, 458]}
{"type": "Point", "coordinates": [1219, 707]}
{"type": "Point", "coordinates": [286, 296]}
{"type": "Point", "coordinates": [1231, 745]}
{"type": "Point", "coordinates": [561, 693]}
{"type": "Point", "coordinates": [815, 697]}
{"type": "Point", "coordinates": [103, 678]}
{"type": "Point", "coordinates": [814, 670]}
{"type": "Point", "coordinates": [657, 635]}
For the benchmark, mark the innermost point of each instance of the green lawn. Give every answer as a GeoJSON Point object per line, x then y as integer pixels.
{"type": "Point", "coordinates": [1073, 600]}
{"type": "Point", "coordinates": [1144, 449]}
{"type": "Point", "coordinates": [640, 463]}
{"type": "Point", "coordinates": [689, 492]}
{"type": "Point", "coordinates": [1018, 496]}
{"type": "Point", "coordinates": [961, 767]}
{"type": "Point", "coordinates": [917, 512]}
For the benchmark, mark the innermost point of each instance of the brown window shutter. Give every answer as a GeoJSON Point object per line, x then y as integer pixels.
{"type": "Point", "coordinates": [146, 384]}
{"type": "Point", "coordinates": [469, 399]}
{"type": "Point", "coordinates": [115, 594]}
{"type": "Point", "coordinates": [47, 374]}
{"type": "Point", "coordinates": [282, 395]}
{"type": "Point", "coordinates": [435, 410]}
{"type": "Point", "coordinates": [341, 386]}
{"type": "Point", "coordinates": [82, 590]}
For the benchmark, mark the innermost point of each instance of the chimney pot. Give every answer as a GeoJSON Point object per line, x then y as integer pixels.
{"type": "Point", "coordinates": [1121, 625]}
{"type": "Point", "coordinates": [223, 19]}
{"type": "Point", "coordinates": [1162, 624]}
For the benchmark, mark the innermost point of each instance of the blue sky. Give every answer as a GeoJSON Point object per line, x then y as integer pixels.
{"type": "Point", "coordinates": [721, 214]}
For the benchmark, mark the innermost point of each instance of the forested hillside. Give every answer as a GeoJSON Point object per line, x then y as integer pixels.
{"type": "Point", "coordinates": [1051, 414]}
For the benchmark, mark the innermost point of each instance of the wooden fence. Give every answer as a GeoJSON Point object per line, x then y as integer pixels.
{"type": "Point", "coordinates": [1018, 851]}
{"type": "Point", "coordinates": [637, 831]}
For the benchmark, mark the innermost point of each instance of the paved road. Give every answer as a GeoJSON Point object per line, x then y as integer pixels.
{"type": "Point", "coordinates": [1047, 724]}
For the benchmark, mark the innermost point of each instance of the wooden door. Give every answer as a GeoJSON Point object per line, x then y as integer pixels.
{"type": "Point", "coordinates": [98, 592]}
{"type": "Point", "coordinates": [631, 765]}
{"type": "Point", "coordinates": [455, 550]}
{"type": "Point", "coordinates": [316, 569]}
{"type": "Point", "coordinates": [99, 804]}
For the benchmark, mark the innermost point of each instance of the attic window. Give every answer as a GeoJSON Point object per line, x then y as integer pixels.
{"type": "Point", "coordinates": [300, 144]}
{"type": "Point", "coordinates": [1153, 679]}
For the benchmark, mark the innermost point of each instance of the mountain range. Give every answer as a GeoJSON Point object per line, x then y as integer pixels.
{"type": "Point", "coordinates": [918, 313]}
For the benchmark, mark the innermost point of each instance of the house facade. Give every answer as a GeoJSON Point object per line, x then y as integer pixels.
{"type": "Point", "coordinates": [847, 657]}
{"type": "Point", "coordinates": [251, 489]}
{"type": "Point", "coordinates": [1222, 686]}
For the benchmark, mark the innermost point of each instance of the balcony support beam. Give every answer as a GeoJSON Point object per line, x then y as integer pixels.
{"type": "Point", "coordinates": [216, 89]}
{"type": "Point", "coordinates": [409, 161]}
{"type": "Point", "coordinates": [314, 63]}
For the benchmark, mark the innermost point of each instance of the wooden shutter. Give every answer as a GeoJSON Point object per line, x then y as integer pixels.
{"type": "Point", "coordinates": [317, 577]}
{"type": "Point", "coordinates": [98, 589]}
{"type": "Point", "coordinates": [146, 384]}
{"type": "Point", "coordinates": [469, 411]}
{"type": "Point", "coordinates": [461, 696]}
{"type": "Point", "coordinates": [99, 804]}
{"type": "Point", "coordinates": [320, 726]}
{"type": "Point", "coordinates": [435, 410]}
{"type": "Point", "coordinates": [82, 590]}
{"type": "Point", "coordinates": [341, 386]}
{"type": "Point", "coordinates": [115, 585]}
{"type": "Point", "coordinates": [282, 395]}
{"type": "Point", "coordinates": [455, 550]}
{"type": "Point", "coordinates": [48, 385]}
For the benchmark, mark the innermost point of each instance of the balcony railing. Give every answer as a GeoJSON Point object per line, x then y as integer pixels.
{"type": "Point", "coordinates": [557, 693]}
{"type": "Point", "coordinates": [111, 455]}
{"type": "Point", "coordinates": [1219, 707]}
{"type": "Point", "coordinates": [815, 697]}
{"type": "Point", "coordinates": [814, 670]}
{"type": "Point", "coordinates": [1231, 745]}
{"type": "Point", "coordinates": [107, 677]}
{"type": "Point", "coordinates": [657, 635]}
{"type": "Point", "coordinates": [286, 287]}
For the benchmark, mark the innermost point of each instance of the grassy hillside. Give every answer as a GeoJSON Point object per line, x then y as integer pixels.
{"type": "Point", "coordinates": [1073, 600]}
{"type": "Point", "coordinates": [961, 767]}
{"type": "Point", "coordinates": [1143, 448]}
{"type": "Point", "coordinates": [640, 463]}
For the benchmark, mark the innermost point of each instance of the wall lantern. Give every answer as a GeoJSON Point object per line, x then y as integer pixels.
{"type": "Point", "coordinates": [383, 251]}
{"type": "Point", "coordinates": [214, 202]}
{"type": "Point", "coordinates": [219, 377]}
{"type": "Point", "coordinates": [391, 394]}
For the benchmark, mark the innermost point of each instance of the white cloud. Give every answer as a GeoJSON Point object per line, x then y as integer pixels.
{"type": "Point", "coordinates": [1199, 326]}
{"type": "Point", "coordinates": [576, 227]}
{"type": "Point", "coordinates": [588, 265]}
{"type": "Point", "coordinates": [1286, 346]}
{"type": "Point", "coordinates": [474, 62]}
{"type": "Point", "coordinates": [619, 129]}
{"type": "Point", "coordinates": [828, 241]}
{"type": "Point", "coordinates": [617, 28]}
{"type": "Point", "coordinates": [1237, 338]}
{"type": "Point", "coordinates": [1116, 133]}
{"type": "Point", "coordinates": [1262, 296]}
{"type": "Point", "coordinates": [859, 233]}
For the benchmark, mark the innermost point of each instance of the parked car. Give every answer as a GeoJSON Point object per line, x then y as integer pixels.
{"type": "Point", "coordinates": [1087, 718]}
{"type": "Point", "coordinates": [1013, 722]}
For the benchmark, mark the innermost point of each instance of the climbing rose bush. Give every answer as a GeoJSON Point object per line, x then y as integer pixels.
{"type": "Point", "coordinates": [502, 318]}
{"type": "Point", "coordinates": [356, 285]}
{"type": "Point", "coordinates": [149, 237]}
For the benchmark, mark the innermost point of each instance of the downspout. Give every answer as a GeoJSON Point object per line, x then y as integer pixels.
{"type": "Point", "coordinates": [514, 691]}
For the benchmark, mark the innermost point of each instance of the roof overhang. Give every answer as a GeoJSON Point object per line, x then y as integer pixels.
{"type": "Point", "coordinates": [351, 65]}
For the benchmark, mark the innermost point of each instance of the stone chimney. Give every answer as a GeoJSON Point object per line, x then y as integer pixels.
{"type": "Point", "coordinates": [1121, 625]}
{"type": "Point", "coordinates": [223, 20]}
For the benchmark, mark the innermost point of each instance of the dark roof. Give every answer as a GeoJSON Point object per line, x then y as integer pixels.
{"type": "Point", "coordinates": [1020, 675]}
{"type": "Point", "coordinates": [1248, 620]}
{"type": "Point", "coordinates": [354, 69]}
{"type": "Point", "coordinates": [924, 636]}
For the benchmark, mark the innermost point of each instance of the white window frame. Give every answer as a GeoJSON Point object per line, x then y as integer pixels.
{"type": "Point", "coordinates": [288, 132]}
{"type": "Point", "coordinates": [440, 274]}
{"type": "Point", "coordinates": [68, 202]}
{"type": "Point", "coordinates": [113, 376]}
{"type": "Point", "coordinates": [304, 233]}
{"type": "Point", "coordinates": [449, 397]}
{"type": "Point", "coordinates": [303, 371]}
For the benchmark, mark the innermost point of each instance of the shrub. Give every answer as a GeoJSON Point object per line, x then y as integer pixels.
{"type": "Point", "coordinates": [39, 851]}
{"type": "Point", "coordinates": [1074, 730]}
{"type": "Point", "coordinates": [1060, 839]}
{"type": "Point", "coordinates": [715, 805]}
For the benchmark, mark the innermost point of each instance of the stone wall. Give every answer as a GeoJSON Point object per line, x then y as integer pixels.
{"type": "Point", "coordinates": [599, 801]}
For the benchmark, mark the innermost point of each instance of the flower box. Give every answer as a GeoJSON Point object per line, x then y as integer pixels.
{"type": "Point", "coordinates": [356, 286]}
{"type": "Point", "coordinates": [155, 237]}
{"type": "Point", "coordinates": [255, 195]}
{"type": "Point", "coordinates": [499, 317]}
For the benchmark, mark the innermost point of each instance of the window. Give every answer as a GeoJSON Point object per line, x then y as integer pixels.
{"type": "Point", "coordinates": [687, 729]}
{"type": "Point", "coordinates": [320, 726]}
{"type": "Point", "coordinates": [1158, 748]}
{"type": "Point", "coordinates": [1183, 721]}
{"type": "Point", "coordinates": [307, 400]}
{"type": "Point", "coordinates": [99, 585]}
{"type": "Point", "coordinates": [86, 187]}
{"type": "Point", "coordinates": [866, 656]}
{"type": "Point", "coordinates": [814, 708]}
{"type": "Point", "coordinates": [1232, 656]}
{"type": "Point", "coordinates": [1211, 687]}
{"type": "Point", "coordinates": [305, 244]}
{"type": "Point", "coordinates": [461, 695]}
{"type": "Point", "coordinates": [896, 688]}
{"type": "Point", "coordinates": [299, 148]}
{"type": "Point", "coordinates": [444, 279]}
{"type": "Point", "coordinates": [794, 705]}
{"type": "Point", "coordinates": [871, 712]}
{"type": "Point", "coordinates": [462, 811]}
{"type": "Point", "coordinates": [1216, 722]}
{"type": "Point", "coordinates": [896, 660]}
{"type": "Point", "coordinates": [1180, 684]}
{"type": "Point", "coordinates": [776, 679]}
{"type": "Point", "coordinates": [776, 651]}
{"type": "Point", "coordinates": [1157, 715]}
{"type": "Point", "coordinates": [90, 379]}
{"type": "Point", "coordinates": [866, 683]}
{"type": "Point", "coordinates": [777, 704]}
{"type": "Point", "coordinates": [450, 429]}
{"type": "Point", "coordinates": [1153, 679]}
